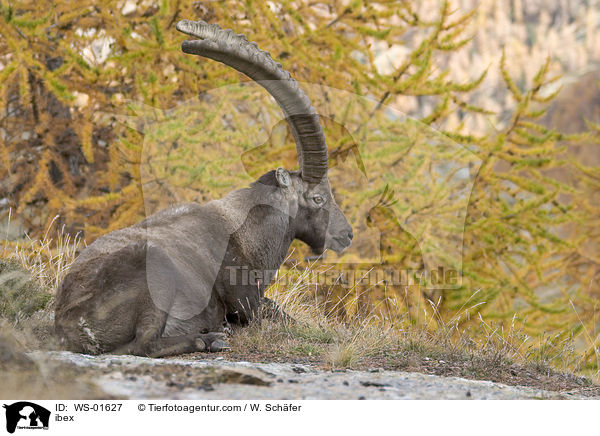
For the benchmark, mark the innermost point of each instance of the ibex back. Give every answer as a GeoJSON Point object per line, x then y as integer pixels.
{"type": "Point", "coordinates": [167, 284]}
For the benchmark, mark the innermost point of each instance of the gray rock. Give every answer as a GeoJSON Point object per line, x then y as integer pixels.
{"type": "Point", "coordinates": [222, 379]}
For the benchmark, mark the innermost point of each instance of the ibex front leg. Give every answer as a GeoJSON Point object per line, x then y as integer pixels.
{"type": "Point", "coordinates": [173, 345]}
{"type": "Point", "coordinates": [149, 342]}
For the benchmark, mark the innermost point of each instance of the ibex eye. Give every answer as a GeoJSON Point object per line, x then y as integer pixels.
{"type": "Point", "coordinates": [318, 199]}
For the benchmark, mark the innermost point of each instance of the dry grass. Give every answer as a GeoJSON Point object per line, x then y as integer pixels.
{"type": "Point", "coordinates": [365, 341]}
{"type": "Point", "coordinates": [46, 259]}
{"type": "Point", "coordinates": [30, 272]}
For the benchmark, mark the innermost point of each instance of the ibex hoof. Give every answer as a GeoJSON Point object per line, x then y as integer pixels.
{"type": "Point", "coordinates": [219, 345]}
{"type": "Point", "coordinates": [213, 342]}
{"type": "Point", "coordinates": [201, 345]}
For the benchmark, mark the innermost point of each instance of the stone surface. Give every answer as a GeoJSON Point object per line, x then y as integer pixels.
{"type": "Point", "coordinates": [140, 378]}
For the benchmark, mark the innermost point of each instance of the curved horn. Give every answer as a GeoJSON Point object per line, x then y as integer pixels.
{"type": "Point", "coordinates": [237, 52]}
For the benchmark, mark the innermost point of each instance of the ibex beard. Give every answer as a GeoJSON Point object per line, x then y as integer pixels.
{"type": "Point", "coordinates": [163, 286]}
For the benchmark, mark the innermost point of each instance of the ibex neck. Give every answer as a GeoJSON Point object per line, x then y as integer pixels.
{"type": "Point", "coordinates": [263, 231]}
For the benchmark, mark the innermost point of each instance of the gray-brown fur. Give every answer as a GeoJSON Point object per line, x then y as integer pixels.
{"type": "Point", "coordinates": [164, 286]}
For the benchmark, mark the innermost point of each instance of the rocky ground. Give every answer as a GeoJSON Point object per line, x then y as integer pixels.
{"type": "Point", "coordinates": [130, 377]}
{"type": "Point", "coordinates": [276, 369]}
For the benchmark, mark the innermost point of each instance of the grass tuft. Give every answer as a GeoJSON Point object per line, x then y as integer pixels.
{"type": "Point", "coordinates": [20, 295]}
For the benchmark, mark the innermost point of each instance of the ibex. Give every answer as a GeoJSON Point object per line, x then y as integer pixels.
{"type": "Point", "coordinates": [167, 284]}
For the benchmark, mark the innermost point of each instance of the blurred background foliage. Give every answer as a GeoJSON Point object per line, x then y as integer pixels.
{"type": "Point", "coordinates": [104, 120]}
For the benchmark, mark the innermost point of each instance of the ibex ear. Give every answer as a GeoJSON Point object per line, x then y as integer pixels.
{"type": "Point", "coordinates": [283, 177]}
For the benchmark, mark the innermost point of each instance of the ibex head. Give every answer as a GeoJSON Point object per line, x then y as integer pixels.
{"type": "Point", "coordinates": [318, 220]}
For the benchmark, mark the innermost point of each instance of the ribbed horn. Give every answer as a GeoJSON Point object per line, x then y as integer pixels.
{"type": "Point", "coordinates": [237, 52]}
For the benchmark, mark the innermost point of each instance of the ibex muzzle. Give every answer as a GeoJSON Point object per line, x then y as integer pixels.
{"type": "Point", "coordinates": [167, 284]}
